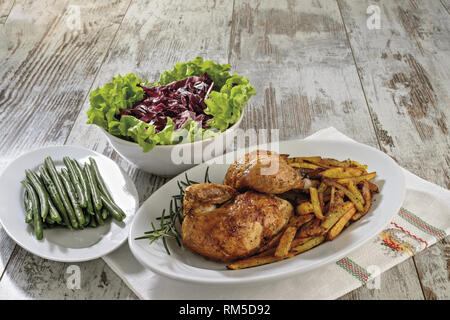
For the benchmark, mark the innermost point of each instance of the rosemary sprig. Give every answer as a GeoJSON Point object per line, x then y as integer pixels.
{"type": "Point", "coordinates": [169, 224]}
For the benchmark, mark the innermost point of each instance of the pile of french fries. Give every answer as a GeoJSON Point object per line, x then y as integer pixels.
{"type": "Point", "coordinates": [341, 194]}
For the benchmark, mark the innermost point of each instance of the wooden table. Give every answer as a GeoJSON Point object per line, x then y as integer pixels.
{"type": "Point", "coordinates": [314, 63]}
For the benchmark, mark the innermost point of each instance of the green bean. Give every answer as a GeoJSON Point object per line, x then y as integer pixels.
{"type": "Point", "coordinates": [41, 192]}
{"type": "Point", "coordinates": [100, 182]}
{"type": "Point", "coordinates": [53, 212]}
{"type": "Point", "coordinates": [113, 209]}
{"type": "Point", "coordinates": [62, 192]}
{"type": "Point", "coordinates": [28, 207]}
{"type": "Point", "coordinates": [54, 195]}
{"type": "Point", "coordinates": [84, 183]}
{"type": "Point", "coordinates": [87, 219]}
{"type": "Point", "coordinates": [38, 224]}
{"type": "Point", "coordinates": [98, 218]}
{"type": "Point", "coordinates": [92, 224]}
{"type": "Point", "coordinates": [92, 185]}
{"type": "Point", "coordinates": [76, 182]}
{"type": "Point", "coordinates": [105, 213]}
{"type": "Point", "coordinates": [72, 196]}
{"type": "Point", "coordinates": [49, 220]}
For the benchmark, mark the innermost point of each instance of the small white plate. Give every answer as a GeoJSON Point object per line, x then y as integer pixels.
{"type": "Point", "coordinates": [187, 266]}
{"type": "Point", "coordinates": [61, 244]}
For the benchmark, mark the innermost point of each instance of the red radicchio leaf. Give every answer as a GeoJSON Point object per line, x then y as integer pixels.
{"type": "Point", "coordinates": [180, 100]}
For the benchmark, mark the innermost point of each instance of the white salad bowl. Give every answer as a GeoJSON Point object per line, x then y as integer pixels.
{"type": "Point", "coordinates": [170, 160]}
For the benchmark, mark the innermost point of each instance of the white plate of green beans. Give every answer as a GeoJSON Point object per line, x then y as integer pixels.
{"type": "Point", "coordinates": [67, 203]}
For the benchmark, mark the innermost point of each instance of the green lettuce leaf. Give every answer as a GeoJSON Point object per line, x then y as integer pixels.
{"type": "Point", "coordinates": [226, 106]}
{"type": "Point", "coordinates": [197, 67]}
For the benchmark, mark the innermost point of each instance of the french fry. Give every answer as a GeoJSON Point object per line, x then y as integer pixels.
{"type": "Point", "coordinates": [299, 241]}
{"type": "Point", "coordinates": [367, 196]}
{"type": "Point", "coordinates": [322, 187]}
{"type": "Point", "coordinates": [304, 165]}
{"type": "Point", "coordinates": [339, 226]}
{"type": "Point", "coordinates": [334, 215]}
{"type": "Point", "coordinates": [285, 242]}
{"type": "Point", "coordinates": [296, 242]}
{"type": "Point", "coordinates": [357, 180]}
{"type": "Point", "coordinates": [301, 159]}
{"type": "Point", "coordinates": [357, 164]}
{"type": "Point", "coordinates": [352, 187]}
{"type": "Point", "coordinates": [270, 252]}
{"type": "Point", "coordinates": [358, 204]}
{"type": "Point", "coordinates": [373, 187]}
{"type": "Point", "coordinates": [315, 202]}
{"type": "Point", "coordinates": [265, 253]}
{"type": "Point", "coordinates": [339, 173]}
{"type": "Point", "coordinates": [295, 221]}
{"type": "Point", "coordinates": [298, 221]}
{"type": "Point", "coordinates": [272, 243]}
{"type": "Point", "coordinates": [311, 229]}
{"type": "Point", "coordinates": [255, 261]}
{"type": "Point", "coordinates": [332, 202]}
{"type": "Point", "coordinates": [368, 201]}
{"type": "Point", "coordinates": [334, 163]}
{"type": "Point", "coordinates": [315, 241]}
{"type": "Point", "coordinates": [321, 201]}
{"type": "Point", "coordinates": [338, 198]}
{"type": "Point", "coordinates": [305, 207]}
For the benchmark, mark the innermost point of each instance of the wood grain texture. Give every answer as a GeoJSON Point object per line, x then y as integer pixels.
{"type": "Point", "coordinates": [14, 51]}
{"type": "Point", "coordinates": [48, 69]}
{"type": "Point", "coordinates": [394, 285]}
{"type": "Point", "coordinates": [405, 74]}
{"type": "Point", "coordinates": [296, 55]}
{"type": "Point", "coordinates": [30, 277]}
{"type": "Point", "coordinates": [446, 4]}
{"type": "Point", "coordinates": [5, 9]}
{"type": "Point", "coordinates": [433, 265]}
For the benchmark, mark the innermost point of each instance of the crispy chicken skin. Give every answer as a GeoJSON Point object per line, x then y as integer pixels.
{"type": "Point", "coordinates": [252, 171]}
{"type": "Point", "coordinates": [224, 225]}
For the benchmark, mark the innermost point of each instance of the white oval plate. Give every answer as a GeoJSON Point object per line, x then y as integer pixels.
{"type": "Point", "coordinates": [61, 244]}
{"type": "Point", "coordinates": [187, 266]}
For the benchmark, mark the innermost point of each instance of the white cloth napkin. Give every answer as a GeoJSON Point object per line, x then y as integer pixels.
{"type": "Point", "coordinates": [423, 220]}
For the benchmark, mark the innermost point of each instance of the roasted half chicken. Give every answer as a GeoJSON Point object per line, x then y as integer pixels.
{"type": "Point", "coordinates": [224, 225]}
{"type": "Point", "coordinates": [264, 171]}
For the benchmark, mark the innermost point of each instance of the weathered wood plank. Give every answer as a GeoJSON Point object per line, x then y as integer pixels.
{"type": "Point", "coordinates": [405, 75]}
{"type": "Point", "coordinates": [446, 4]}
{"type": "Point", "coordinates": [5, 9]}
{"type": "Point", "coordinates": [30, 277]}
{"type": "Point", "coordinates": [14, 50]}
{"type": "Point", "coordinates": [49, 64]}
{"type": "Point", "coordinates": [395, 284]}
{"type": "Point", "coordinates": [297, 55]}
{"type": "Point", "coordinates": [434, 270]}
